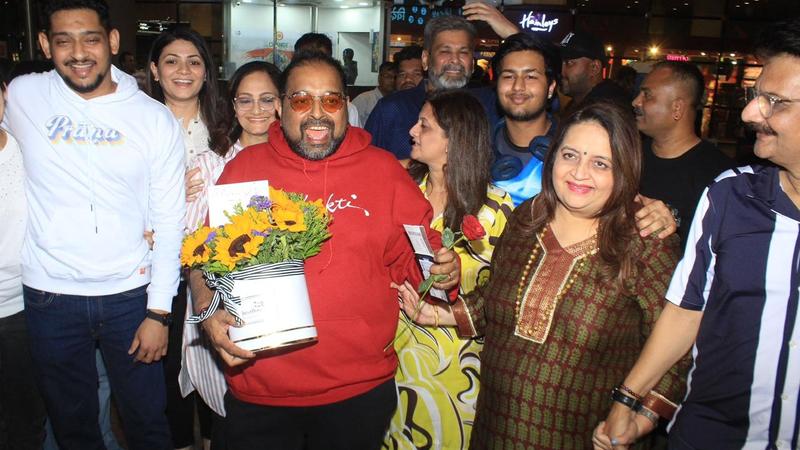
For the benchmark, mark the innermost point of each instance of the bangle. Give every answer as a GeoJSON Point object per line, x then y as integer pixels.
{"type": "Point", "coordinates": [435, 316]}
{"type": "Point", "coordinates": [659, 404]}
{"type": "Point", "coordinates": [630, 392]}
{"type": "Point", "coordinates": [618, 396]}
{"type": "Point", "coordinates": [650, 415]}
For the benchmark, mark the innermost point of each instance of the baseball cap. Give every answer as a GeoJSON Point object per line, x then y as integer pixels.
{"type": "Point", "coordinates": [578, 44]}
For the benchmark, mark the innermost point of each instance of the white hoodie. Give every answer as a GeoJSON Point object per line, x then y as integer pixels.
{"type": "Point", "coordinates": [99, 172]}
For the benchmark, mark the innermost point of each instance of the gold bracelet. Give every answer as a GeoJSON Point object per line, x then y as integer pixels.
{"type": "Point", "coordinates": [435, 316]}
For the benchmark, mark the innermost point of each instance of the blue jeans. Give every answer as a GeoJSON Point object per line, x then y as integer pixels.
{"type": "Point", "coordinates": [104, 399]}
{"type": "Point", "coordinates": [64, 331]}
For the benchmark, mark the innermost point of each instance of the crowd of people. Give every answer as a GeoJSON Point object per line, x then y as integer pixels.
{"type": "Point", "coordinates": [629, 275]}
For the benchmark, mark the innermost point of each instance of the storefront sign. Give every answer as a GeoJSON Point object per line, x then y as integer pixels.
{"type": "Point", "coordinates": [418, 14]}
{"type": "Point", "coordinates": [673, 57]}
{"type": "Point", "coordinates": [552, 25]}
{"type": "Point", "coordinates": [537, 22]}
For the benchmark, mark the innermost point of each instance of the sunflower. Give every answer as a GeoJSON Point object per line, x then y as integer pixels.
{"type": "Point", "coordinates": [260, 220]}
{"type": "Point", "coordinates": [195, 249]}
{"type": "Point", "coordinates": [290, 219]}
{"type": "Point", "coordinates": [238, 241]}
{"type": "Point", "coordinates": [280, 199]}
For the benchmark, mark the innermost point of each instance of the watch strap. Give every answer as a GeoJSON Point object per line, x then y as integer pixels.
{"type": "Point", "coordinates": [163, 319]}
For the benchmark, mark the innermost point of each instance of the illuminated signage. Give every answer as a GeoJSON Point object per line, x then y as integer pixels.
{"type": "Point", "coordinates": [672, 57]}
{"type": "Point", "coordinates": [418, 14]}
{"type": "Point", "coordinates": [537, 22]}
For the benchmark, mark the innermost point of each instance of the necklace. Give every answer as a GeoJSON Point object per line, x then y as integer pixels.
{"type": "Point", "coordinates": [538, 328]}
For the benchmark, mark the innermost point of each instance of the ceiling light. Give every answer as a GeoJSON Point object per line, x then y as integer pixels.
{"type": "Point", "coordinates": [703, 53]}
{"type": "Point", "coordinates": [363, 4]}
{"type": "Point", "coordinates": [609, 48]}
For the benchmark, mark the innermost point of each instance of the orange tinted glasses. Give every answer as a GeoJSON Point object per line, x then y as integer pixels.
{"type": "Point", "coordinates": [303, 101]}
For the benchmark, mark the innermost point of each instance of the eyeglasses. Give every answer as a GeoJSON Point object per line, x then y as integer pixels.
{"type": "Point", "coordinates": [266, 103]}
{"type": "Point", "coordinates": [766, 102]}
{"type": "Point", "coordinates": [303, 101]}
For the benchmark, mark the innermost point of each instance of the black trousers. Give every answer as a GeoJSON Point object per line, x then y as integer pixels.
{"type": "Point", "coordinates": [181, 410]}
{"type": "Point", "coordinates": [358, 423]}
{"type": "Point", "coordinates": [22, 411]}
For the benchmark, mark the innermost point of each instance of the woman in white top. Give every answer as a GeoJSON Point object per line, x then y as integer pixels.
{"type": "Point", "coordinates": [21, 407]}
{"type": "Point", "coordinates": [253, 105]}
{"type": "Point", "coordinates": [183, 77]}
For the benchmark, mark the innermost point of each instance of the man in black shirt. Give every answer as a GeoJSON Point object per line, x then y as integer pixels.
{"type": "Point", "coordinates": [677, 164]}
{"type": "Point", "coordinates": [583, 57]}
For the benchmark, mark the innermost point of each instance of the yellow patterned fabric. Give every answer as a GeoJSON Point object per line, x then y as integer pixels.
{"type": "Point", "coordinates": [438, 375]}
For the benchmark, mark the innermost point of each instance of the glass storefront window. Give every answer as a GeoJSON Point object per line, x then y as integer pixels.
{"type": "Point", "coordinates": [253, 36]}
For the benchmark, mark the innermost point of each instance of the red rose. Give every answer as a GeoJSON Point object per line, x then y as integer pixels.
{"type": "Point", "coordinates": [472, 228]}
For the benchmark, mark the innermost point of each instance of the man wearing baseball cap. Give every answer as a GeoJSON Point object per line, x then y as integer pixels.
{"type": "Point", "coordinates": [583, 58]}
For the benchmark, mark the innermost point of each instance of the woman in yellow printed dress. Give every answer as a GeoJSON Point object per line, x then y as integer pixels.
{"type": "Point", "coordinates": [439, 373]}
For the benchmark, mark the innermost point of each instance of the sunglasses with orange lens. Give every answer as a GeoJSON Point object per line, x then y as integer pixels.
{"type": "Point", "coordinates": [303, 101]}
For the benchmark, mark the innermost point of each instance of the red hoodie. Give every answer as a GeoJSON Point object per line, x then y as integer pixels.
{"type": "Point", "coordinates": [355, 310]}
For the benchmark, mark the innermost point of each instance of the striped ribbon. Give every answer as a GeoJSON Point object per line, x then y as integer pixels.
{"type": "Point", "coordinates": [223, 286]}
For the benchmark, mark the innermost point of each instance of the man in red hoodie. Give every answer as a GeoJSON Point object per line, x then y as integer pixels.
{"type": "Point", "coordinates": [338, 393]}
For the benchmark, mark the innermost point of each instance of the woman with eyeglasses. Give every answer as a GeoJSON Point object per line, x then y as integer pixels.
{"type": "Point", "coordinates": [438, 374]}
{"type": "Point", "coordinates": [252, 105]}
{"type": "Point", "coordinates": [573, 295]}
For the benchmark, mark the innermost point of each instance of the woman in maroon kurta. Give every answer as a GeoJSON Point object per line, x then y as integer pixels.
{"type": "Point", "coordinates": [573, 296]}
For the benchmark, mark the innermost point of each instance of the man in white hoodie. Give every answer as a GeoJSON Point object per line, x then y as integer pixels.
{"type": "Point", "coordinates": [103, 162]}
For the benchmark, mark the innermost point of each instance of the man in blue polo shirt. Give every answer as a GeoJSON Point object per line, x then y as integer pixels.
{"type": "Point", "coordinates": [734, 297]}
{"type": "Point", "coordinates": [447, 56]}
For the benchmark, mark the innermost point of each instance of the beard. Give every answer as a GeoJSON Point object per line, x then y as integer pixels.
{"type": "Point", "coordinates": [313, 152]}
{"type": "Point", "coordinates": [442, 81]}
{"type": "Point", "coordinates": [523, 115]}
{"type": "Point", "coordinates": [79, 88]}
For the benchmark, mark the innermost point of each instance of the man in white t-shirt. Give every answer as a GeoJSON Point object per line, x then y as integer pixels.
{"type": "Point", "coordinates": [103, 162]}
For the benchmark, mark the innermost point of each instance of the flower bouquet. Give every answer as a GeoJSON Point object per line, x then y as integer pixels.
{"type": "Point", "coordinates": [254, 263]}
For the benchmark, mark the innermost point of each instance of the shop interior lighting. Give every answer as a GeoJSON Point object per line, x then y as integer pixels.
{"type": "Point", "coordinates": [609, 48]}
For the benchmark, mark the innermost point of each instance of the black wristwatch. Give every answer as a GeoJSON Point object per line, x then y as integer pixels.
{"type": "Point", "coordinates": [163, 319]}
{"type": "Point", "coordinates": [618, 396]}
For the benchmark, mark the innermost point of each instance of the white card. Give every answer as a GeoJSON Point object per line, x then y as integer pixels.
{"type": "Point", "coordinates": [224, 197]}
{"type": "Point", "coordinates": [424, 253]}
